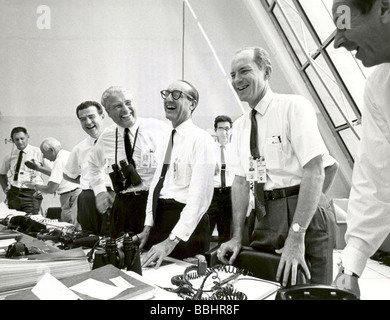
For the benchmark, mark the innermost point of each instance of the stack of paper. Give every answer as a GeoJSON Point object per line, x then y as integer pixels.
{"type": "Point", "coordinates": [104, 283]}
{"type": "Point", "coordinates": [19, 274]}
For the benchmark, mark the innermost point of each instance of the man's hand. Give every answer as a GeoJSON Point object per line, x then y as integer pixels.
{"type": "Point", "coordinates": [29, 185]}
{"type": "Point", "coordinates": [104, 202]}
{"type": "Point", "coordinates": [143, 236]}
{"type": "Point", "coordinates": [293, 256]}
{"type": "Point", "coordinates": [31, 164]}
{"type": "Point", "coordinates": [234, 246]}
{"type": "Point", "coordinates": [347, 282]}
{"type": "Point", "coordinates": [157, 253]}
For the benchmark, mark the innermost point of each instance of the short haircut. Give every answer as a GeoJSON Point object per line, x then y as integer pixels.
{"type": "Point", "coordinates": [111, 91]}
{"type": "Point", "coordinates": [260, 57]}
{"type": "Point", "coordinates": [364, 6]}
{"type": "Point", "coordinates": [222, 118]}
{"type": "Point", "coordinates": [87, 104]}
{"type": "Point", "coordinates": [193, 92]}
{"type": "Point", "coordinates": [17, 130]}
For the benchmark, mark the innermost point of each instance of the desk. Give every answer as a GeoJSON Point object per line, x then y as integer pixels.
{"type": "Point", "coordinates": [255, 289]}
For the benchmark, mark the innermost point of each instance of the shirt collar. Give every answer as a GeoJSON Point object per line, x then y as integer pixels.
{"type": "Point", "coordinates": [183, 127]}
{"type": "Point", "coordinates": [264, 103]}
{"type": "Point", "coordinates": [133, 129]}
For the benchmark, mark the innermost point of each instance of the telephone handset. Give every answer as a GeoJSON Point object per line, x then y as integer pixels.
{"type": "Point", "coordinates": [314, 292]}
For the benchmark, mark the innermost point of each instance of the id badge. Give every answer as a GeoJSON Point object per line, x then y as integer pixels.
{"type": "Point", "coordinates": [252, 174]}
{"type": "Point", "coordinates": [145, 159]}
{"type": "Point", "coordinates": [261, 171]}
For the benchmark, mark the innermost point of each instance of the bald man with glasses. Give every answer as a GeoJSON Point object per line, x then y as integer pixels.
{"type": "Point", "coordinates": [176, 221]}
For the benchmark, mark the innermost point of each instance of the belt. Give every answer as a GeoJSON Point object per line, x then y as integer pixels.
{"type": "Point", "coordinates": [168, 201]}
{"type": "Point", "coordinates": [136, 193]}
{"type": "Point", "coordinates": [61, 194]}
{"type": "Point", "coordinates": [222, 189]}
{"type": "Point", "coordinates": [22, 189]}
{"type": "Point", "coordinates": [281, 193]}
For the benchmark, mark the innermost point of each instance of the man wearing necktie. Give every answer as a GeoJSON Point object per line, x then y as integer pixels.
{"type": "Point", "coordinates": [279, 140]}
{"type": "Point", "coordinates": [220, 210]}
{"type": "Point", "coordinates": [134, 142]}
{"type": "Point", "coordinates": [14, 174]}
{"type": "Point", "coordinates": [176, 221]}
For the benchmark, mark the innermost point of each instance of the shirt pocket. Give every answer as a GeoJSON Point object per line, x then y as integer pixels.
{"type": "Point", "coordinates": [273, 153]}
{"type": "Point", "coordinates": [182, 172]}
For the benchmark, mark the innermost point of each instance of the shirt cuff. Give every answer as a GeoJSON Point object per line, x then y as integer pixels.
{"type": "Point", "coordinates": [353, 260]}
{"type": "Point", "coordinates": [100, 188]}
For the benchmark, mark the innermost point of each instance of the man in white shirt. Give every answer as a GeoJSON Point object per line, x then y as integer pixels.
{"type": "Point", "coordinates": [176, 222]}
{"type": "Point", "coordinates": [280, 138]}
{"type": "Point", "coordinates": [131, 183]}
{"type": "Point", "coordinates": [52, 150]}
{"type": "Point", "coordinates": [368, 213]}
{"type": "Point", "coordinates": [91, 116]}
{"type": "Point", "coordinates": [13, 177]}
{"type": "Point", "coordinates": [220, 210]}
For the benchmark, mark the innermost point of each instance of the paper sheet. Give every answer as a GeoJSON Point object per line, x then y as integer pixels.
{"type": "Point", "coordinates": [97, 289]}
{"type": "Point", "coordinates": [49, 288]}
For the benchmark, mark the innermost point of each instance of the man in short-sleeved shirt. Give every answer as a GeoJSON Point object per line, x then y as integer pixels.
{"type": "Point", "coordinates": [52, 150]}
{"type": "Point", "coordinates": [19, 196]}
{"type": "Point", "coordinates": [91, 116]}
{"type": "Point", "coordinates": [289, 163]}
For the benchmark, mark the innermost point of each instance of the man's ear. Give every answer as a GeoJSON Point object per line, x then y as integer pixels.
{"type": "Point", "coordinates": [194, 103]}
{"type": "Point", "coordinates": [385, 11]}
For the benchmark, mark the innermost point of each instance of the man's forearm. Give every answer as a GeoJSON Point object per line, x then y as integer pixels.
{"type": "Point", "coordinates": [3, 181]}
{"type": "Point", "coordinates": [240, 201]}
{"type": "Point", "coordinates": [309, 193]}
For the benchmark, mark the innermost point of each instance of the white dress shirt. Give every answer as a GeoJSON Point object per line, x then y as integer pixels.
{"type": "Point", "coordinates": [57, 173]}
{"type": "Point", "coordinates": [189, 179]}
{"type": "Point", "coordinates": [148, 145]}
{"type": "Point", "coordinates": [77, 164]}
{"type": "Point", "coordinates": [25, 174]}
{"type": "Point", "coordinates": [368, 218]}
{"type": "Point", "coordinates": [288, 138]}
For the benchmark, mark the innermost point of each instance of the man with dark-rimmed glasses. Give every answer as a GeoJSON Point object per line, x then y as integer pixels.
{"type": "Point", "coordinates": [176, 222]}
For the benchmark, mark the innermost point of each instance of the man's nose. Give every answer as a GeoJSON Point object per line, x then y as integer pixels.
{"type": "Point", "coordinates": [338, 39]}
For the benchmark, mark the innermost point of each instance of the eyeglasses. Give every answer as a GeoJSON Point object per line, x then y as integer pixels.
{"type": "Point", "coordinates": [227, 129]}
{"type": "Point", "coordinates": [176, 94]}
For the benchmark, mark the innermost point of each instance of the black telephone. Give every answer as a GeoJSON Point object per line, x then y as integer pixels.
{"type": "Point", "coordinates": [314, 292]}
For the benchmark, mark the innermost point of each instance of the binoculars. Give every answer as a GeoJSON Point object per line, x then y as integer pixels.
{"type": "Point", "coordinates": [127, 258]}
{"type": "Point", "coordinates": [124, 176]}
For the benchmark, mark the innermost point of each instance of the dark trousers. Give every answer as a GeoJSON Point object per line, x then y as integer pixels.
{"type": "Point", "coordinates": [167, 215]}
{"type": "Point", "coordinates": [220, 213]}
{"type": "Point", "coordinates": [88, 216]}
{"type": "Point", "coordinates": [128, 213]}
{"type": "Point", "coordinates": [271, 232]}
{"type": "Point", "coordinates": [23, 199]}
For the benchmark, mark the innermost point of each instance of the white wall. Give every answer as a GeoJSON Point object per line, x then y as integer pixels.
{"type": "Point", "coordinates": [93, 44]}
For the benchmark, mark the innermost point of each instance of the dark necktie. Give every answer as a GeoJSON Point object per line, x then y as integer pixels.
{"type": "Point", "coordinates": [258, 187]}
{"type": "Point", "coordinates": [16, 175]}
{"type": "Point", "coordinates": [128, 148]}
{"type": "Point", "coordinates": [223, 167]}
{"type": "Point", "coordinates": [160, 183]}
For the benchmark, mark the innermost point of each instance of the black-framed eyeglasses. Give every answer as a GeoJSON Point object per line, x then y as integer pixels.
{"type": "Point", "coordinates": [176, 94]}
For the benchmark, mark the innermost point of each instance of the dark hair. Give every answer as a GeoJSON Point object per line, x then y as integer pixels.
{"type": "Point", "coordinates": [193, 93]}
{"type": "Point", "coordinates": [222, 118]}
{"type": "Point", "coordinates": [87, 104]}
{"type": "Point", "coordinates": [17, 130]}
{"type": "Point", "coordinates": [364, 6]}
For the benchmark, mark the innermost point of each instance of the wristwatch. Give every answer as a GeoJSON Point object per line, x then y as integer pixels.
{"type": "Point", "coordinates": [173, 238]}
{"type": "Point", "coordinates": [297, 228]}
